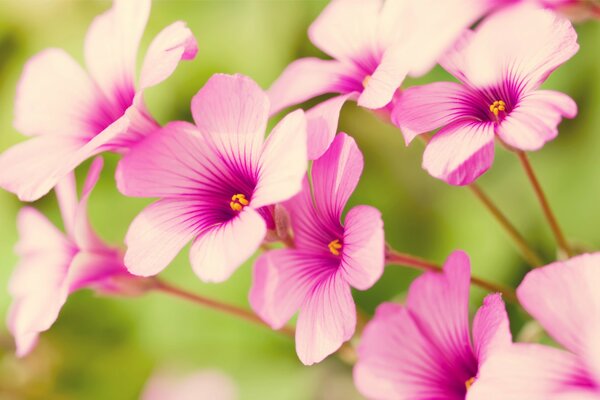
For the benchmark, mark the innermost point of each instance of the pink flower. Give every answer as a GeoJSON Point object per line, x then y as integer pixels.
{"type": "Point", "coordinates": [565, 299]}
{"type": "Point", "coordinates": [73, 114]}
{"type": "Point", "coordinates": [329, 258]}
{"type": "Point", "coordinates": [201, 385]}
{"type": "Point", "coordinates": [216, 180]}
{"type": "Point", "coordinates": [374, 45]}
{"type": "Point", "coordinates": [423, 350]}
{"type": "Point", "coordinates": [52, 265]}
{"type": "Point", "coordinates": [500, 67]}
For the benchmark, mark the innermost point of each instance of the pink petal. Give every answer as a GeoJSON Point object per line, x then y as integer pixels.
{"type": "Point", "coordinates": [396, 361]}
{"type": "Point", "coordinates": [526, 372]}
{"type": "Point", "coordinates": [439, 302]}
{"type": "Point", "coordinates": [66, 195]}
{"type": "Point", "coordinates": [304, 79]}
{"type": "Point", "coordinates": [283, 161]}
{"type": "Point", "coordinates": [323, 124]}
{"type": "Point", "coordinates": [55, 96]}
{"type": "Point", "coordinates": [211, 385]}
{"type": "Point", "coordinates": [327, 319]}
{"type": "Point", "coordinates": [347, 30]}
{"type": "Point", "coordinates": [37, 284]}
{"type": "Point", "coordinates": [461, 152]}
{"type": "Point", "coordinates": [111, 47]}
{"type": "Point", "coordinates": [564, 298]}
{"type": "Point", "coordinates": [174, 43]}
{"type": "Point", "coordinates": [221, 249]}
{"type": "Point", "coordinates": [233, 110]}
{"type": "Point", "coordinates": [363, 256]}
{"type": "Point", "coordinates": [535, 120]}
{"type": "Point", "coordinates": [83, 234]}
{"type": "Point", "coordinates": [281, 282]}
{"type": "Point", "coordinates": [159, 233]}
{"type": "Point", "coordinates": [455, 60]}
{"type": "Point", "coordinates": [422, 109]}
{"type": "Point", "coordinates": [533, 43]}
{"type": "Point", "coordinates": [386, 79]}
{"type": "Point", "coordinates": [90, 269]}
{"type": "Point", "coordinates": [335, 176]}
{"type": "Point", "coordinates": [491, 327]}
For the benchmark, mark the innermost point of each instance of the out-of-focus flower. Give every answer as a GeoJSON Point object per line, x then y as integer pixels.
{"type": "Point", "coordinates": [374, 44]}
{"type": "Point", "coordinates": [500, 67]}
{"type": "Point", "coordinates": [565, 299]}
{"type": "Point", "coordinates": [576, 10]}
{"type": "Point", "coordinates": [52, 265]}
{"type": "Point", "coordinates": [73, 114]}
{"type": "Point", "coordinates": [328, 258]}
{"type": "Point", "coordinates": [424, 350]}
{"type": "Point", "coordinates": [217, 180]}
{"type": "Point", "coordinates": [201, 385]}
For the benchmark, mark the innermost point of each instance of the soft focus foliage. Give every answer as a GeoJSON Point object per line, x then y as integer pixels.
{"type": "Point", "coordinates": [106, 348]}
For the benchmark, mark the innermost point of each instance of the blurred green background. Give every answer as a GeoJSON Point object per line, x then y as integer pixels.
{"type": "Point", "coordinates": [106, 348]}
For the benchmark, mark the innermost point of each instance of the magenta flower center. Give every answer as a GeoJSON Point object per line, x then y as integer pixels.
{"type": "Point", "coordinates": [334, 247]}
{"type": "Point", "coordinates": [238, 202]}
{"type": "Point", "coordinates": [469, 383]}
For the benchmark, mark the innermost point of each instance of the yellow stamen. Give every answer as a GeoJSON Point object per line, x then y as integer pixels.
{"type": "Point", "coordinates": [238, 202]}
{"type": "Point", "coordinates": [365, 81]}
{"type": "Point", "coordinates": [334, 247]}
{"type": "Point", "coordinates": [469, 383]}
{"type": "Point", "coordinates": [497, 106]}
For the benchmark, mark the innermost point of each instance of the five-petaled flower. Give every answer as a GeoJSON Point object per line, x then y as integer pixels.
{"type": "Point", "coordinates": [217, 180]}
{"type": "Point", "coordinates": [73, 114]}
{"type": "Point", "coordinates": [424, 349]}
{"type": "Point", "coordinates": [500, 70]}
{"type": "Point", "coordinates": [316, 275]}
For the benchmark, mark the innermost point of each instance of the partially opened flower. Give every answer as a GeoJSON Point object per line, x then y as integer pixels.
{"type": "Point", "coordinates": [500, 67]}
{"type": "Point", "coordinates": [72, 114]}
{"type": "Point", "coordinates": [200, 385]}
{"type": "Point", "coordinates": [328, 259]}
{"type": "Point", "coordinates": [216, 180]}
{"type": "Point", "coordinates": [424, 349]}
{"type": "Point", "coordinates": [374, 44]}
{"type": "Point", "coordinates": [565, 299]}
{"type": "Point", "coordinates": [52, 265]}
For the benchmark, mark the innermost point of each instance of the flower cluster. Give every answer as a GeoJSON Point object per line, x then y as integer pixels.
{"type": "Point", "coordinates": [231, 190]}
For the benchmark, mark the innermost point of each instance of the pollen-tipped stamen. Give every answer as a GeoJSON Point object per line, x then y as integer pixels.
{"type": "Point", "coordinates": [334, 247]}
{"type": "Point", "coordinates": [497, 106]}
{"type": "Point", "coordinates": [469, 383]}
{"type": "Point", "coordinates": [238, 202]}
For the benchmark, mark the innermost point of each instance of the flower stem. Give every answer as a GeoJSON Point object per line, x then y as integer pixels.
{"type": "Point", "coordinates": [526, 251]}
{"type": "Point", "coordinates": [539, 192]}
{"type": "Point", "coordinates": [396, 257]}
{"type": "Point", "coordinates": [235, 311]}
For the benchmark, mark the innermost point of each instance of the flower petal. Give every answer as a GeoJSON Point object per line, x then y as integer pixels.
{"type": "Point", "coordinates": [535, 120]}
{"type": "Point", "coordinates": [160, 231]}
{"type": "Point", "coordinates": [335, 176]}
{"type": "Point", "coordinates": [521, 42]}
{"type": "Point", "coordinates": [386, 79]}
{"type": "Point", "coordinates": [323, 124]}
{"type": "Point", "coordinates": [111, 47]}
{"type": "Point", "coordinates": [563, 297]}
{"type": "Point", "coordinates": [461, 152]}
{"type": "Point", "coordinates": [327, 319]}
{"type": "Point", "coordinates": [363, 257]}
{"type": "Point", "coordinates": [281, 282]}
{"type": "Point", "coordinates": [283, 161]}
{"type": "Point", "coordinates": [422, 109]}
{"type": "Point", "coordinates": [221, 249]}
{"type": "Point", "coordinates": [83, 234]}
{"type": "Point", "coordinates": [173, 44]}
{"type": "Point", "coordinates": [491, 327]}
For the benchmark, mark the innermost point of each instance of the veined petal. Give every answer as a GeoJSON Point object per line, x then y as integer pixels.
{"type": "Point", "coordinates": [161, 230]}
{"type": "Point", "coordinates": [386, 79]}
{"type": "Point", "coordinates": [173, 44]}
{"type": "Point", "coordinates": [327, 319]}
{"type": "Point", "coordinates": [461, 152]}
{"type": "Point", "coordinates": [283, 161]}
{"type": "Point", "coordinates": [94, 269]}
{"type": "Point", "coordinates": [422, 109]}
{"type": "Point", "coordinates": [55, 96]}
{"type": "Point", "coordinates": [335, 176]}
{"type": "Point", "coordinates": [83, 234]}
{"type": "Point", "coordinates": [491, 328]}
{"type": "Point", "coordinates": [304, 79]}
{"type": "Point", "coordinates": [363, 251]}
{"type": "Point", "coordinates": [323, 124]}
{"type": "Point", "coordinates": [222, 248]}
{"type": "Point", "coordinates": [232, 110]}
{"type": "Point", "coordinates": [111, 47]}
{"type": "Point", "coordinates": [282, 280]}
{"type": "Point", "coordinates": [535, 120]}
{"type": "Point", "coordinates": [563, 297]}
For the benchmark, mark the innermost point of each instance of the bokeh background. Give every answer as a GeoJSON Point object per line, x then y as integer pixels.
{"type": "Point", "coordinates": [106, 348]}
